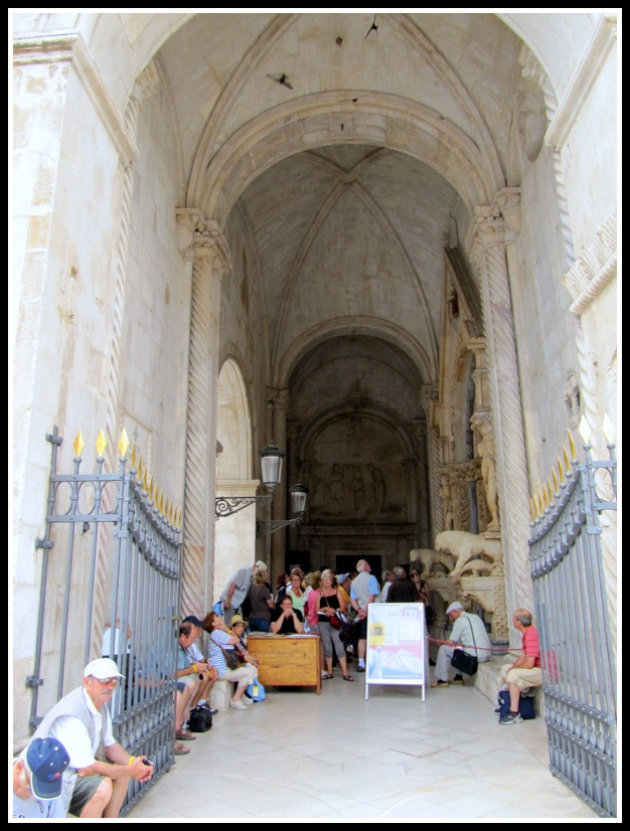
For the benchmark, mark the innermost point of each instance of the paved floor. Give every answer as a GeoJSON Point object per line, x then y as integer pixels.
{"type": "Point", "coordinates": [393, 757]}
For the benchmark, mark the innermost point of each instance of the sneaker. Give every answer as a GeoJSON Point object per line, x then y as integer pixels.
{"type": "Point", "coordinates": [439, 684]}
{"type": "Point", "coordinates": [459, 679]}
{"type": "Point", "coordinates": [360, 669]}
{"type": "Point", "coordinates": [511, 718]}
{"type": "Point", "coordinates": [238, 705]}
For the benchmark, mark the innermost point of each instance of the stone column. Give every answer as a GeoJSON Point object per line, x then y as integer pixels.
{"type": "Point", "coordinates": [589, 282]}
{"type": "Point", "coordinates": [431, 440]}
{"type": "Point", "coordinates": [145, 86]}
{"type": "Point", "coordinates": [492, 231]}
{"type": "Point", "coordinates": [279, 506]}
{"type": "Point", "coordinates": [205, 250]}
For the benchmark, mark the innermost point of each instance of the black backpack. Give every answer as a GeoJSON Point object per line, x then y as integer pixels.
{"type": "Point", "coordinates": [200, 720]}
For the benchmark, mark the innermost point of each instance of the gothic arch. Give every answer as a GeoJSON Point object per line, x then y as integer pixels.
{"type": "Point", "coordinates": [314, 121]}
{"type": "Point", "coordinates": [234, 462]}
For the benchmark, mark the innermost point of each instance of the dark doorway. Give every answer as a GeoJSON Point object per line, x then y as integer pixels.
{"type": "Point", "coordinates": [348, 562]}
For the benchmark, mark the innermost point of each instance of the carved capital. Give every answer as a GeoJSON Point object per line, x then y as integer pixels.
{"type": "Point", "coordinates": [494, 225]}
{"type": "Point", "coordinates": [202, 239]}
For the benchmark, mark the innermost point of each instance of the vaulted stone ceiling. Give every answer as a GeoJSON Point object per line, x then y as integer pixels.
{"type": "Point", "coordinates": [355, 146]}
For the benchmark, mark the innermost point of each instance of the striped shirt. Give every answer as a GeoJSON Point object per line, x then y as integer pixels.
{"type": "Point", "coordinates": [216, 658]}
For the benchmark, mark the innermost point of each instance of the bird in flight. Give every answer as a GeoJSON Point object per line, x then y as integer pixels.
{"type": "Point", "coordinates": [283, 79]}
{"type": "Point", "coordinates": [373, 27]}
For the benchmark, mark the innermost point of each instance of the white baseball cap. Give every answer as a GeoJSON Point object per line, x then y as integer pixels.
{"type": "Point", "coordinates": [102, 668]}
{"type": "Point", "coordinates": [454, 607]}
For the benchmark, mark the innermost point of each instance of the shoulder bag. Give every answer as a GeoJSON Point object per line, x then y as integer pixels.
{"type": "Point", "coordinates": [462, 661]}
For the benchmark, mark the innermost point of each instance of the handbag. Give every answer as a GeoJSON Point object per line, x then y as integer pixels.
{"type": "Point", "coordinates": [199, 720]}
{"type": "Point", "coordinates": [336, 619]}
{"type": "Point", "coordinates": [462, 661]}
{"type": "Point", "coordinates": [232, 658]}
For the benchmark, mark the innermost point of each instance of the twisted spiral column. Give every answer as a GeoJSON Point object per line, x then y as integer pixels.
{"type": "Point", "coordinates": [587, 278]}
{"type": "Point", "coordinates": [145, 86]}
{"type": "Point", "coordinates": [492, 229]}
{"type": "Point", "coordinates": [207, 252]}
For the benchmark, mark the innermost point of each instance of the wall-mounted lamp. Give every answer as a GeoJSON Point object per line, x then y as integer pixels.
{"type": "Point", "coordinates": [298, 495]}
{"type": "Point", "coordinates": [271, 469]}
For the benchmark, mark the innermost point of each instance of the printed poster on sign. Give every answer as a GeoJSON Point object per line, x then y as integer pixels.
{"type": "Point", "coordinates": [395, 649]}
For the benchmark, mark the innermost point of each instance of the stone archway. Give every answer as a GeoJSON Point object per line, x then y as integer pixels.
{"type": "Point", "coordinates": [235, 536]}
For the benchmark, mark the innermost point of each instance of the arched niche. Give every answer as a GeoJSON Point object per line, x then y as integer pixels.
{"type": "Point", "coordinates": [235, 535]}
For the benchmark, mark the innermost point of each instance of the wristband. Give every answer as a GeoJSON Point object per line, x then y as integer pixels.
{"type": "Point", "coordinates": [131, 760]}
{"type": "Point", "coordinates": [195, 668]}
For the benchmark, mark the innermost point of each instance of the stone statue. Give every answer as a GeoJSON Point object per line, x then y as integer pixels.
{"type": "Point", "coordinates": [468, 548]}
{"type": "Point", "coordinates": [428, 557]}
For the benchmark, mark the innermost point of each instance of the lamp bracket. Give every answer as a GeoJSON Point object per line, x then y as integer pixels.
{"type": "Point", "coordinates": [228, 505]}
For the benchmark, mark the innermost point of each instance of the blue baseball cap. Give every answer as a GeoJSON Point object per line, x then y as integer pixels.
{"type": "Point", "coordinates": [46, 759]}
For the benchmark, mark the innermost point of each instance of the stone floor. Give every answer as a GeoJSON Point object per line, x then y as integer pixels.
{"type": "Point", "coordinates": [393, 757]}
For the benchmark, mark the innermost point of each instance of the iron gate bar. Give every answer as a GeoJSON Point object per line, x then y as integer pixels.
{"type": "Point", "coordinates": [578, 665]}
{"type": "Point", "coordinates": [144, 597]}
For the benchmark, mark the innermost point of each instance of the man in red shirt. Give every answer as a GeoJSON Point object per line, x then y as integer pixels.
{"type": "Point", "coordinates": [525, 672]}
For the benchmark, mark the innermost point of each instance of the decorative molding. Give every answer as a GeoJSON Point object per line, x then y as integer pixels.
{"type": "Point", "coordinates": [594, 268]}
{"type": "Point", "coordinates": [603, 41]}
{"type": "Point", "coordinates": [70, 48]}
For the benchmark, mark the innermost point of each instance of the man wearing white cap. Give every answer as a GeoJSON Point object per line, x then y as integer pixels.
{"type": "Point", "coordinates": [95, 786]}
{"type": "Point", "coordinates": [469, 632]}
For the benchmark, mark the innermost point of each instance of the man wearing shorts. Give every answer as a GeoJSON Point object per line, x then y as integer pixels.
{"type": "Point", "coordinates": [526, 670]}
{"type": "Point", "coordinates": [98, 778]}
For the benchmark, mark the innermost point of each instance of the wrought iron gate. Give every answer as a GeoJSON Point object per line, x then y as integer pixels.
{"type": "Point", "coordinates": [576, 648]}
{"type": "Point", "coordinates": [115, 593]}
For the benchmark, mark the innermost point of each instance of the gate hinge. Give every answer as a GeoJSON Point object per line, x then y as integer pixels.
{"type": "Point", "coordinates": [39, 543]}
{"type": "Point", "coordinates": [34, 681]}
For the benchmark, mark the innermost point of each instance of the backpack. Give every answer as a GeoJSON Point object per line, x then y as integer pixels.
{"type": "Point", "coordinates": [525, 705]}
{"type": "Point", "coordinates": [255, 691]}
{"type": "Point", "coordinates": [200, 720]}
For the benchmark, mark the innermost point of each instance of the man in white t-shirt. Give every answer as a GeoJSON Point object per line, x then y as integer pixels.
{"type": "Point", "coordinates": [469, 632]}
{"type": "Point", "coordinates": [81, 720]}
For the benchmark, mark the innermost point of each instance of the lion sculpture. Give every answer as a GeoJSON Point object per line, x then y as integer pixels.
{"type": "Point", "coordinates": [428, 558]}
{"type": "Point", "coordinates": [468, 549]}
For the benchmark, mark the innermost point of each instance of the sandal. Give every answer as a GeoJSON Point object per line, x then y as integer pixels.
{"type": "Point", "coordinates": [180, 749]}
{"type": "Point", "coordinates": [348, 678]}
{"type": "Point", "coordinates": [328, 675]}
{"type": "Point", "coordinates": [185, 736]}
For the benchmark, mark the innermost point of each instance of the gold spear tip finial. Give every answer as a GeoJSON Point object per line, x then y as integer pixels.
{"type": "Point", "coordinates": [101, 444]}
{"type": "Point", "coordinates": [584, 430]}
{"type": "Point", "coordinates": [561, 475]}
{"type": "Point", "coordinates": [123, 444]}
{"type": "Point", "coordinates": [609, 429]}
{"type": "Point", "coordinates": [567, 460]}
{"type": "Point", "coordinates": [571, 446]}
{"type": "Point", "coordinates": [78, 445]}
{"type": "Point", "coordinates": [133, 457]}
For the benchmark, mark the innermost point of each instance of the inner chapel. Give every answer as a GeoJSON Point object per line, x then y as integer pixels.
{"type": "Point", "coordinates": [385, 244]}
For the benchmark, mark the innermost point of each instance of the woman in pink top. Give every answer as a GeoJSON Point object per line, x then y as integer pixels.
{"type": "Point", "coordinates": [310, 608]}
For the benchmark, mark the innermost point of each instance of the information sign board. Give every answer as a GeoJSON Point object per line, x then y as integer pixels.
{"type": "Point", "coordinates": [395, 648]}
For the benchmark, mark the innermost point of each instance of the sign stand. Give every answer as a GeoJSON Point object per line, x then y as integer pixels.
{"type": "Point", "coordinates": [395, 648]}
